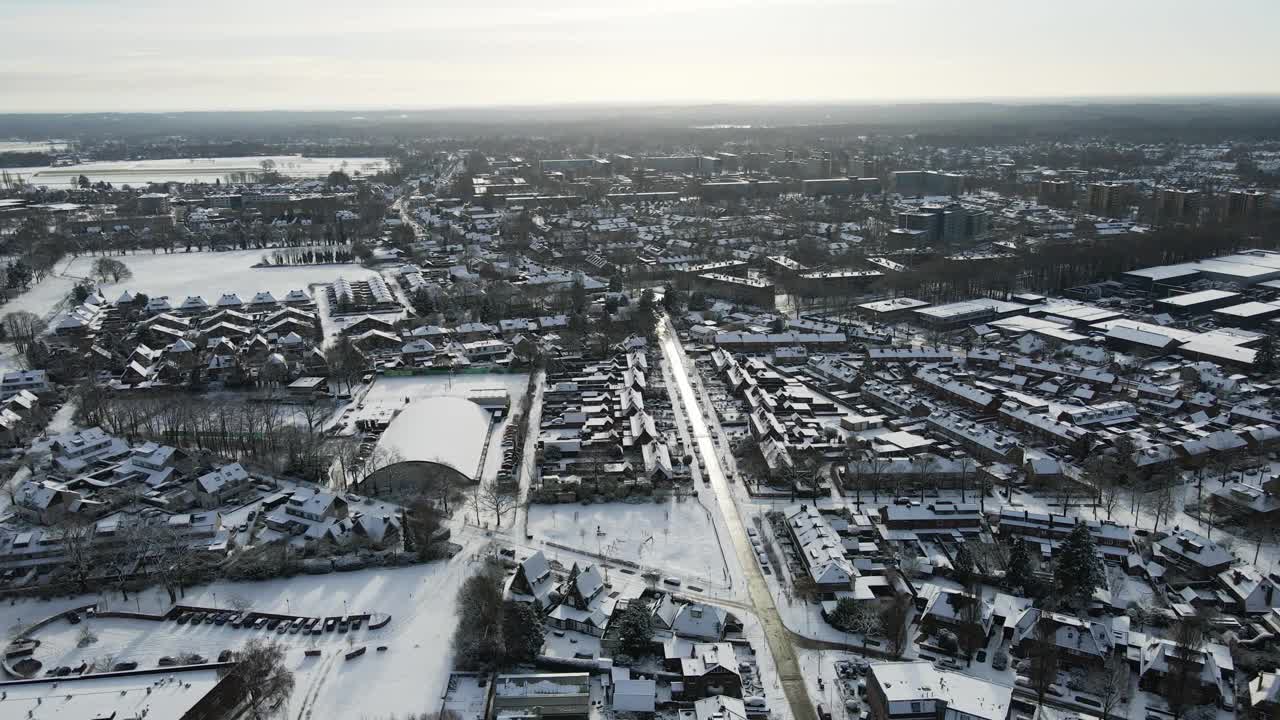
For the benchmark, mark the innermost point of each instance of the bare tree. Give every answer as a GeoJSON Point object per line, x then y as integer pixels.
{"type": "Point", "coordinates": [346, 452]}
{"type": "Point", "coordinates": [972, 635]}
{"type": "Point", "coordinates": [346, 362]}
{"type": "Point", "coordinates": [965, 464]}
{"type": "Point", "coordinates": [22, 328]}
{"type": "Point", "coordinates": [165, 556]}
{"type": "Point", "coordinates": [1110, 683]}
{"type": "Point", "coordinates": [923, 463]}
{"type": "Point", "coordinates": [856, 470]}
{"type": "Point", "coordinates": [1181, 684]}
{"type": "Point", "coordinates": [876, 464]}
{"type": "Point", "coordinates": [1044, 658]}
{"type": "Point", "coordinates": [497, 501]}
{"type": "Point", "coordinates": [1107, 478]}
{"type": "Point", "coordinates": [260, 672]}
{"type": "Point", "coordinates": [105, 269]}
{"type": "Point", "coordinates": [76, 536]}
{"type": "Point", "coordinates": [1164, 501]}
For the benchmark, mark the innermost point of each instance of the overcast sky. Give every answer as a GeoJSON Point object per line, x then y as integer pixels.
{"type": "Point", "coordinates": [99, 55]}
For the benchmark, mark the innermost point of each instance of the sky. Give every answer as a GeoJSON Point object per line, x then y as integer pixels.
{"type": "Point", "coordinates": [147, 55]}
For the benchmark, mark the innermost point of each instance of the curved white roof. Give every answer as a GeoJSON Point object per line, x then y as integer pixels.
{"type": "Point", "coordinates": [446, 430]}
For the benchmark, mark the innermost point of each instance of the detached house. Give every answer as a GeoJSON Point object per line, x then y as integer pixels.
{"type": "Point", "coordinates": [1211, 675]}
{"type": "Point", "coordinates": [1197, 556]}
{"type": "Point", "coordinates": [1248, 591]}
{"type": "Point", "coordinates": [213, 488]}
{"type": "Point", "coordinates": [1082, 642]}
{"type": "Point", "coordinates": [43, 503]}
{"type": "Point", "coordinates": [708, 669]}
{"type": "Point", "coordinates": [584, 605]}
{"type": "Point", "coordinates": [533, 582]}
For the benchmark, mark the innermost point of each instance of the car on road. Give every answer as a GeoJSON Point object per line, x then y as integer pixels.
{"type": "Point", "coordinates": [672, 581]}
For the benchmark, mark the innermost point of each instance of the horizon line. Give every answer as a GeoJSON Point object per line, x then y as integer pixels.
{"type": "Point", "coordinates": [1105, 98]}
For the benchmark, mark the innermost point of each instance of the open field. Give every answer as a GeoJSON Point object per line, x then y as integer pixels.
{"type": "Point", "coordinates": [674, 537]}
{"type": "Point", "coordinates": [212, 273]}
{"type": "Point", "coordinates": [141, 172]}
{"type": "Point", "coordinates": [28, 146]}
{"type": "Point", "coordinates": [420, 600]}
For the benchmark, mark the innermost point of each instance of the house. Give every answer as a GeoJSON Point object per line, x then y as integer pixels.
{"type": "Point", "coordinates": [717, 707]}
{"type": "Point", "coordinates": [1081, 642]}
{"type": "Point", "coordinates": [917, 690]}
{"type": "Point", "coordinates": [417, 349]}
{"type": "Point", "coordinates": [533, 582]}
{"type": "Point", "coordinates": [316, 506]}
{"type": "Point", "coordinates": [821, 550]}
{"type": "Point", "coordinates": [33, 381]}
{"type": "Point", "coordinates": [949, 609]}
{"type": "Point", "coordinates": [74, 451]}
{"type": "Point", "coordinates": [1046, 531]}
{"type": "Point", "coordinates": [379, 530]}
{"type": "Point", "coordinates": [213, 488]}
{"type": "Point", "coordinates": [1195, 555]}
{"type": "Point", "coordinates": [1211, 673]}
{"type": "Point", "coordinates": [628, 694]}
{"type": "Point", "coordinates": [709, 669]}
{"type": "Point", "coordinates": [584, 605]}
{"type": "Point", "coordinates": [43, 503]}
{"type": "Point", "coordinates": [697, 621]}
{"type": "Point", "coordinates": [1248, 591]}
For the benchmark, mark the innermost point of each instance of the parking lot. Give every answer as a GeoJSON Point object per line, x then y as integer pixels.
{"type": "Point", "coordinates": [91, 643]}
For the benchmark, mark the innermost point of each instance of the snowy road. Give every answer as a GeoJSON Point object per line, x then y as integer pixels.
{"type": "Point", "coordinates": [779, 639]}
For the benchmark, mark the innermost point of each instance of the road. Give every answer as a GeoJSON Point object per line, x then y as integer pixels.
{"type": "Point", "coordinates": [762, 602]}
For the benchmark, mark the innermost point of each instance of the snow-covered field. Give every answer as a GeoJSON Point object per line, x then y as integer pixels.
{"type": "Point", "coordinates": [394, 390]}
{"type": "Point", "coordinates": [674, 537]}
{"type": "Point", "coordinates": [410, 677]}
{"type": "Point", "coordinates": [139, 172]}
{"type": "Point", "coordinates": [210, 274]}
{"type": "Point", "coordinates": [23, 146]}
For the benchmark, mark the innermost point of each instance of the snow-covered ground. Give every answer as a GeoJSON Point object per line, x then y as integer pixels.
{"type": "Point", "coordinates": [210, 274]}
{"type": "Point", "coordinates": [410, 677]}
{"type": "Point", "coordinates": [674, 537]}
{"type": "Point", "coordinates": [45, 296]}
{"type": "Point", "coordinates": [394, 390]}
{"type": "Point", "coordinates": [140, 172]}
{"type": "Point", "coordinates": [10, 359]}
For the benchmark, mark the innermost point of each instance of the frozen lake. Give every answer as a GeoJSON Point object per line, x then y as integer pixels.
{"type": "Point", "coordinates": [140, 172]}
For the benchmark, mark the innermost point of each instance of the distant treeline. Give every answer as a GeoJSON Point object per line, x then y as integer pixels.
{"type": "Point", "coordinates": [24, 159]}
{"type": "Point", "coordinates": [1147, 120]}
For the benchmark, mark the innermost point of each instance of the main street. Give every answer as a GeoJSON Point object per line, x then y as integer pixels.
{"type": "Point", "coordinates": [762, 602]}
